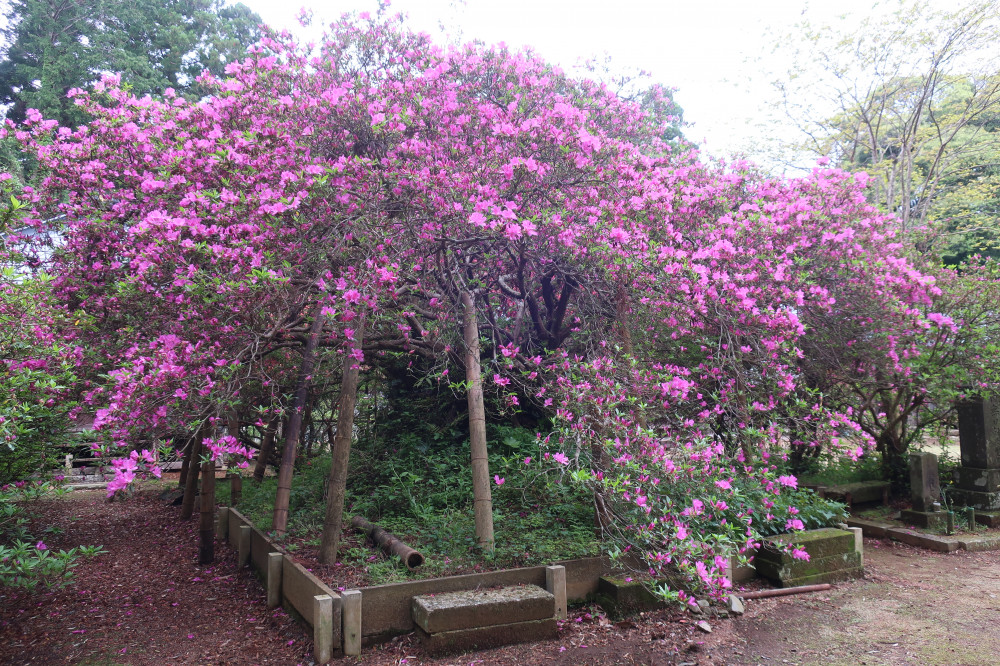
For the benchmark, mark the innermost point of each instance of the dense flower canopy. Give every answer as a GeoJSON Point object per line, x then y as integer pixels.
{"type": "Point", "coordinates": [659, 309]}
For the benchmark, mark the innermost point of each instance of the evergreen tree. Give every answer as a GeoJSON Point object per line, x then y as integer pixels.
{"type": "Point", "coordinates": [56, 45]}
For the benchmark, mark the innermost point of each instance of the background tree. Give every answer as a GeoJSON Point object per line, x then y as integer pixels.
{"type": "Point", "coordinates": [57, 45]}
{"type": "Point", "coordinates": [911, 96]}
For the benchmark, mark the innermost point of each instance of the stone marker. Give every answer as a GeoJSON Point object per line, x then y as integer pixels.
{"type": "Point", "coordinates": [351, 605]}
{"type": "Point", "coordinates": [978, 479]}
{"type": "Point", "coordinates": [979, 433]}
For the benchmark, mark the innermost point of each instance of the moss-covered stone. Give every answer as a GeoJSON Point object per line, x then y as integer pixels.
{"type": "Point", "coordinates": [820, 543]}
{"type": "Point", "coordinates": [828, 577]}
{"type": "Point", "coordinates": [621, 598]}
{"type": "Point", "coordinates": [781, 573]}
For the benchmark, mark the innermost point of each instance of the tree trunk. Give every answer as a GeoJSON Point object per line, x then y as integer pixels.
{"type": "Point", "coordinates": [266, 448]}
{"type": "Point", "coordinates": [341, 453]}
{"type": "Point", "coordinates": [186, 463]}
{"type": "Point", "coordinates": [309, 430]}
{"type": "Point", "coordinates": [191, 482]}
{"type": "Point", "coordinates": [481, 494]}
{"type": "Point", "coordinates": [280, 519]}
{"type": "Point", "coordinates": [206, 531]}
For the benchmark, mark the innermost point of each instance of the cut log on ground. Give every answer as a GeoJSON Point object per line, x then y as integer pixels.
{"type": "Point", "coordinates": [388, 542]}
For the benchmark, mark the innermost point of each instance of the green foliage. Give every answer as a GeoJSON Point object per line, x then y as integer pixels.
{"type": "Point", "coordinates": [814, 511]}
{"type": "Point", "coordinates": [25, 562]}
{"type": "Point", "coordinates": [832, 470]}
{"type": "Point", "coordinates": [421, 490]}
{"type": "Point", "coordinates": [55, 46]}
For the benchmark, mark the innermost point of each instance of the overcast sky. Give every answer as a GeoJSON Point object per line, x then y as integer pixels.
{"type": "Point", "coordinates": [710, 50]}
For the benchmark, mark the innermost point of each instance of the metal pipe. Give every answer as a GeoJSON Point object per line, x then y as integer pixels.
{"type": "Point", "coordinates": [388, 542]}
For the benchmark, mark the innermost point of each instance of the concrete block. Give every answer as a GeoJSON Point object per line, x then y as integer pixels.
{"type": "Point", "coordinates": [974, 478]}
{"type": "Point", "coordinates": [481, 638]}
{"type": "Point", "coordinates": [981, 500]}
{"type": "Point", "coordinates": [273, 579]}
{"type": "Point", "coordinates": [322, 613]}
{"type": "Point", "coordinates": [453, 611]}
{"type": "Point", "coordinates": [243, 545]}
{"type": "Point", "coordinates": [351, 611]}
{"type": "Point", "coordinates": [555, 583]}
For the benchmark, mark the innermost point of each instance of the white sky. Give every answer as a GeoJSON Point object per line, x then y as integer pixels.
{"type": "Point", "coordinates": [710, 50]}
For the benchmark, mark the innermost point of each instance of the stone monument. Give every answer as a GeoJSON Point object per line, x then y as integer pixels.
{"type": "Point", "coordinates": [977, 481]}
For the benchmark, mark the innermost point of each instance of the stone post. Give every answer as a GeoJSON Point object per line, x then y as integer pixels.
{"type": "Point", "coordinates": [555, 583]}
{"type": "Point", "coordinates": [222, 524]}
{"type": "Point", "coordinates": [351, 613]}
{"type": "Point", "coordinates": [243, 547]}
{"type": "Point", "coordinates": [323, 628]}
{"type": "Point", "coordinates": [274, 562]}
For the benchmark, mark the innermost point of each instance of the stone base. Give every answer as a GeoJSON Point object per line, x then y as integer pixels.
{"type": "Point", "coordinates": [926, 519]}
{"type": "Point", "coordinates": [990, 519]}
{"type": "Point", "coordinates": [982, 501]}
{"type": "Point", "coordinates": [481, 638]}
{"type": "Point", "coordinates": [974, 478]}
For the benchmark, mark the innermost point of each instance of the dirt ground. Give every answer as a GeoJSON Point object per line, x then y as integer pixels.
{"type": "Point", "coordinates": [914, 607]}
{"type": "Point", "coordinates": [147, 602]}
